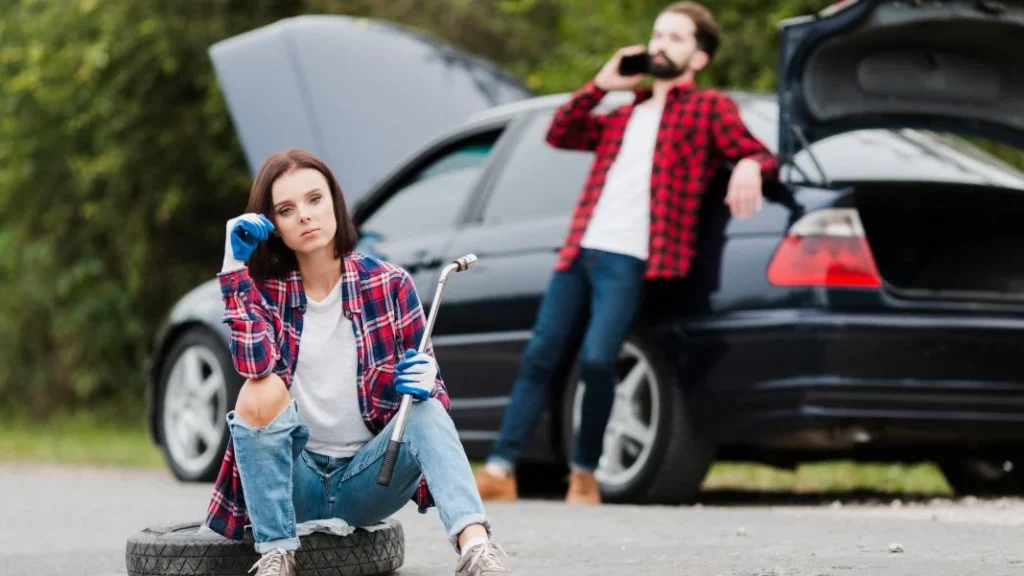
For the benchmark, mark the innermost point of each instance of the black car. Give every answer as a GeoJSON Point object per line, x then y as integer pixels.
{"type": "Point", "coordinates": [874, 309]}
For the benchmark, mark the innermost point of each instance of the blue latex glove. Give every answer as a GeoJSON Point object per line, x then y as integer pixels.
{"type": "Point", "coordinates": [248, 231]}
{"type": "Point", "coordinates": [244, 233]}
{"type": "Point", "coordinates": [416, 375]}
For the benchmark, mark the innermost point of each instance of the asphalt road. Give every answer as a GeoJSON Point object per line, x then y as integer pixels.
{"type": "Point", "coordinates": [57, 521]}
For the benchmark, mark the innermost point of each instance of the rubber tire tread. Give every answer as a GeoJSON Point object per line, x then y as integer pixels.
{"type": "Point", "coordinates": [177, 549]}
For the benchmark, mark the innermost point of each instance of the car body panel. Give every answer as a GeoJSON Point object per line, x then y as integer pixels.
{"type": "Point", "coordinates": [770, 376]}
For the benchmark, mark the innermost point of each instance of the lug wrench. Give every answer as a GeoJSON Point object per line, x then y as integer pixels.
{"type": "Point", "coordinates": [395, 444]}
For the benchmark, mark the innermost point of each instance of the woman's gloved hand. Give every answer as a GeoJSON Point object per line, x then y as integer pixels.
{"type": "Point", "coordinates": [243, 234]}
{"type": "Point", "coordinates": [416, 375]}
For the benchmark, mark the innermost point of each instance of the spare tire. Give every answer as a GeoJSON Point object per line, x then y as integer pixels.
{"type": "Point", "coordinates": [180, 549]}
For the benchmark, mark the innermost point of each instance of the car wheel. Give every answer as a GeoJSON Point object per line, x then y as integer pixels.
{"type": "Point", "coordinates": [650, 454]}
{"type": "Point", "coordinates": [983, 476]}
{"type": "Point", "coordinates": [197, 385]}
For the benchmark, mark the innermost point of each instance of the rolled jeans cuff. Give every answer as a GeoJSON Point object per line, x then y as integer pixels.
{"type": "Point", "coordinates": [286, 544]}
{"type": "Point", "coordinates": [584, 468]}
{"type": "Point", "coordinates": [462, 523]}
{"type": "Point", "coordinates": [504, 463]}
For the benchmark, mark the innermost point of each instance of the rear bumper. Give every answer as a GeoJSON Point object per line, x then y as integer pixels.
{"type": "Point", "coordinates": [817, 380]}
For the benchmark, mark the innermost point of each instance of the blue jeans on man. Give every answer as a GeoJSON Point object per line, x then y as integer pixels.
{"type": "Point", "coordinates": [603, 291]}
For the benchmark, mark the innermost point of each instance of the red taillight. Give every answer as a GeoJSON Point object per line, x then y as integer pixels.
{"type": "Point", "coordinates": [825, 248]}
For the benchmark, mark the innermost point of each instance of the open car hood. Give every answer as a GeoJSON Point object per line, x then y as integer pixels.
{"type": "Point", "coordinates": [362, 94]}
{"type": "Point", "coordinates": [943, 65]}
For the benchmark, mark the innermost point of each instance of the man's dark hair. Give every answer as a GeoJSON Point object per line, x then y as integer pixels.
{"type": "Point", "coordinates": [707, 33]}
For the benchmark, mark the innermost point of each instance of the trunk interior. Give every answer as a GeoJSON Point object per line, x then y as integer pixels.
{"type": "Point", "coordinates": [945, 241]}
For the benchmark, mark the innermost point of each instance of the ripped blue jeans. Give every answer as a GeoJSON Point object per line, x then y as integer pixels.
{"type": "Point", "coordinates": [285, 484]}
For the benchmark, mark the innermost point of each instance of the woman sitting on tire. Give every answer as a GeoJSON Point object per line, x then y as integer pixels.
{"type": "Point", "coordinates": [327, 341]}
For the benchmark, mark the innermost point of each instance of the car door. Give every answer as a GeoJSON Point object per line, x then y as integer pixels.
{"type": "Point", "coordinates": [515, 228]}
{"type": "Point", "coordinates": [419, 210]}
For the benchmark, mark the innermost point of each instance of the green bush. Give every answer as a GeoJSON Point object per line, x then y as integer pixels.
{"type": "Point", "coordinates": [118, 167]}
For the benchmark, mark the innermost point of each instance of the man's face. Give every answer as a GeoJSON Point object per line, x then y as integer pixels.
{"type": "Point", "coordinates": [673, 46]}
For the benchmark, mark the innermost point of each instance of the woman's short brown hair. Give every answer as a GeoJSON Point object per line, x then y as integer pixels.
{"type": "Point", "coordinates": [272, 258]}
{"type": "Point", "coordinates": [708, 35]}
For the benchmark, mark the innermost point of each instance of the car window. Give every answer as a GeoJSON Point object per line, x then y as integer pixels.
{"type": "Point", "coordinates": [538, 180]}
{"type": "Point", "coordinates": [432, 197]}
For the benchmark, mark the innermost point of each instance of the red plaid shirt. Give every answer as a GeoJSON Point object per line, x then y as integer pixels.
{"type": "Point", "coordinates": [699, 129]}
{"type": "Point", "coordinates": [266, 325]}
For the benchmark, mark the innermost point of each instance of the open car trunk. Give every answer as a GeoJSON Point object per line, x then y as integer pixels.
{"type": "Point", "coordinates": [946, 241]}
{"type": "Point", "coordinates": [942, 65]}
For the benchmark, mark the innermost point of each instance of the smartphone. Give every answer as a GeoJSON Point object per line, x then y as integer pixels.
{"type": "Point", "coordinates": [635, 64]}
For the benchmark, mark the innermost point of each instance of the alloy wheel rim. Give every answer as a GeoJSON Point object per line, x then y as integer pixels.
{"type": "Point", "coordinates": [195, 397]}
{"type": "Point", "coordinates": [633, 424]}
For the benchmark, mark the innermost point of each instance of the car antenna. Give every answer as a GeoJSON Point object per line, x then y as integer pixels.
{"type": "Point", "coordinates": [799, 133]}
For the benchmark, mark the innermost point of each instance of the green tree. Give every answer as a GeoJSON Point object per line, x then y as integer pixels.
{"type": "Point", "coordinates": [117, 162]}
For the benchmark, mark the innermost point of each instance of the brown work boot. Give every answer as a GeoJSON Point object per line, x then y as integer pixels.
{"type": "Point", "coordinates": [583, 488]}
{"type": "Point", "coordinates": [495, 488]}
{"type": "Point", "coordinates": [275, 563]}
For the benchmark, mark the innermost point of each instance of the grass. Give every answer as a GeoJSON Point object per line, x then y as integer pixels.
{"type": "Point", "coordinates": [77, 440]}
{"type": "Point", "coordinates": [92, 441]}
{"type": "Point", "coordinates": [828, 477]}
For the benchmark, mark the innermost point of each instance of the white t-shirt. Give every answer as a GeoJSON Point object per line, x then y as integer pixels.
{"type": "Point", "coordinates": [324, 385]}
{"type": "Point", "coordinates": [622, 218]}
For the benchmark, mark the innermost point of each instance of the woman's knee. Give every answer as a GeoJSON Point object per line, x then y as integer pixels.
{"type": "Point", "coordinates": [260, 401]}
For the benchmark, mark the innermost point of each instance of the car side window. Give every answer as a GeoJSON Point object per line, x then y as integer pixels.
{"type": "Point", "coordinates": [432, 197]}
{"type": "Point", "coordinates": [538, 180]}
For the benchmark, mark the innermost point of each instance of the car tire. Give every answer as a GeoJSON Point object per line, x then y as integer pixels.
{"type": "Point", "coordinates": [673, 468]}
{"type": "Point", "coordinates": [179, 549]}
{"type": "Point", "coordinates": [196, 458]}
{"type": "Point", "coordinates": [983, 477]}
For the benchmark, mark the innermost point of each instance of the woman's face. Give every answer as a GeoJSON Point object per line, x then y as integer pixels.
{"type": "Point", "coordinates": [303, 210]}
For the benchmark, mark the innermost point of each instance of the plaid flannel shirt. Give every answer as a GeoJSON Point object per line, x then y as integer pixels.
{"type": "Point", "coordinates": [266, 324]}
{"type": "Point", "coordinates": [699, 129]}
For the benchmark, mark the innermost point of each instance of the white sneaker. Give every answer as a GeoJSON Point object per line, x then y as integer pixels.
{"type": "Point", "coordinates": [276, 563]}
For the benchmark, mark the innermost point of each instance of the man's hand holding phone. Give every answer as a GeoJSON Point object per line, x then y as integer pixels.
{"type": "Point", "coordinates": [610, 78]}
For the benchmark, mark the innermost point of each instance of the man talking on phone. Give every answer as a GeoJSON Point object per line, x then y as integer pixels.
{"type": "Point", "coordinates": [635, 220]}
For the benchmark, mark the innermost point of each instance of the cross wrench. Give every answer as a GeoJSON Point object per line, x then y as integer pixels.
{"type": "Point", "coordinates": [387, 467]}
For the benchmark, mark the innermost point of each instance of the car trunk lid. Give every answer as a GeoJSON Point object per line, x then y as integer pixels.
{"type": "Point", "coordinates": [943, 65]}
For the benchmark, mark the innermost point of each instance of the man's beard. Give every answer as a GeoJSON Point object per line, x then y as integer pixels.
{"type": "Point", "coordinates": [666, 70]}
